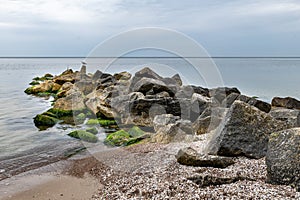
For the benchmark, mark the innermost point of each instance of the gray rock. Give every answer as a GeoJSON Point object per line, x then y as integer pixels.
{"type": "Point", "coordinates": [209, 120]}
{"type": "Point", "coordinates": [144, 73]}
{"type": "Point", "coordinates": [198, 104]}
{"type": "Point", "coordinates": [283, 158]}
{"type": "Point", "coordinates": [177, 78]}
{"type": "Point", "coordinates": [122, 76]}
{"type": "Point", "coordinates": [74, 101]}
{"type": "Point", "coordinates": [144, 85]}
{"type": "Point", "coordinates": [287, 102]}
{"type": "Point", "coordinates": [263, 106]}
{"type": "Point", "coordinates": [143, 111]}
{"type": "Point", "coordinates": [189, 156]}
{"type": "Point", "coordinates": [291, 117]}
{"type": "Point", "coordinates": [187, 91]}
{"type": "Point", "coordinates": [244, 131]}
{"type": "Point", "coordinates": [85, 86]}
{"type": "Point", "coordinates": [171, 128]}
{"type": "Point", "coordinates": [221, 93]}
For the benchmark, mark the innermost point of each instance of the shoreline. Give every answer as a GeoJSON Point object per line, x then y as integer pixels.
{"type": "Point", "coordinates": [143, 171]}
{"type": "Point", "coordinates": [187, 122]}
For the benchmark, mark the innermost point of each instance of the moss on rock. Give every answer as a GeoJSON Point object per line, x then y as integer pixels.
{"type": "Point", "coordinates": [84, 135]}
{"type": "Point", "coordinates": [45, 120]}
{"type": "Point", "coordinates": [34, 83]}
{"type": "Point", "coordinates": [107, 122]}
{"type": "Point", "coordinates": [135, 131]}
{"type": "Point", "coordinates": [101, 122]}
{"type": "Point", "coordinates": [119, 138]}
{"type": "Point", "coordinates": [92, 122]}
{"type": "Point", "coordinates": [92, 130]}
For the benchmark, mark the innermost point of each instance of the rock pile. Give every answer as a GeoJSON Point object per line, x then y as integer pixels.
{"type": "Point", "coordinates": [238, 125]}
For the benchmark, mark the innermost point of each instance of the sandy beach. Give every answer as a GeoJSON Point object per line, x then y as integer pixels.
{"type": "Point", "coordinates": [144, 171]}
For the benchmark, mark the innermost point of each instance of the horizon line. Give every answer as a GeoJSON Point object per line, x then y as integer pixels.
{"type": "Point", "coordinates": [25, 57]}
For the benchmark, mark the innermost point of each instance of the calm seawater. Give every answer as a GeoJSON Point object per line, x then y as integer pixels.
{"type": "Point", "coordinates": [262, 77]}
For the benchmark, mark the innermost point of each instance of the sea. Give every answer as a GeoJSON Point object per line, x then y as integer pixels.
{"type": "Point", "coordinates": [24, 147]}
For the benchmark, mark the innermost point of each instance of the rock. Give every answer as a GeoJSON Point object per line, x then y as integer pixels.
{"type": "Point", "coordinates": [189, 156]}
{"type": "Point", "coordinates": [101, 122]}
{"type": "Point", "coordinates": [64, 89]}
{"type": "Point", "coordinates": [162, 95]}
{"type": "Point", "coordinates": [142, 111]}
{"type": "Point", "coordinates": [97, 75]}
{"type": "Point", "coordinates": [209, 120]}
{"type": "Point", "coordinates": [244, 131]}
{"type": "Point", "coordinates": [177, 78]}
{"type": "Point", "coordinates": [198, 104]}
{"type": "Point", "coordinates": [83, 70]}
{"type": "Point", "coordinates": [287, 102]}
{"type": "Point", "coordinates": [261, 105]}
{"type": "Point", "coordinates": [66, 77]}
{"type": "Point", "coordinates": [74, 101]}
{"type": "Point", "coordinates": [135, 131]}
{"type": "Point", "coordinates": [92, 130]}
{"type": "Point", "coordinates": [187, 91]}
{"type": "Point", "coordinates": [144, 85]}
{"type": "Point", "coordinates": [282, 159]}
{"type": "Point", "coordinates": [122, 76]}
{"type": "Point", "coordinates": [222, 92]}
{"type": "Point", "coordinates": [119, 138]}
{"type": "Point", "coordinates": [85, 86]}
{"type": "Point", "coordinates": [44, 121]}
{"type": "Point", "coordinates": [67, 72]}
{"type": "Point", "coordinates": [83, 135]}
{"type": "Point", "coordinates": [170, 128]}
{"type": "Point", "coordinates": [47, 86]}
{"type": "Point", "coordinates": [291, 117]}
{"type": "Point", "coordinates": [99, 103]}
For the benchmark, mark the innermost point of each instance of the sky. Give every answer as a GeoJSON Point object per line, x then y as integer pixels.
{"type": "Point", "coordinates": [224, 28]}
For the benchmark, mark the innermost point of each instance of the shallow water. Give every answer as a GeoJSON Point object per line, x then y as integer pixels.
{"type": "Point", "coordinates": [21, 142]}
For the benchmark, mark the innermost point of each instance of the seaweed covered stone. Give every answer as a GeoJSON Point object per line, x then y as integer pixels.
{"type": "Point", "coordinates": [118, 138]}
{"type": "Point", "coordinates": [84, 135]}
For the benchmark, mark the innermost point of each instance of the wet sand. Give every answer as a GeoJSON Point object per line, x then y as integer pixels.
{"type": "Point", "coordinates": [58, 187]}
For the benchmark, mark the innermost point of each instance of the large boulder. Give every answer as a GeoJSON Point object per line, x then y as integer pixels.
{"type": "Point", "coordinates": [261, 105]}
{"type": "Point", "coordinates": [283, 158]}
{"type": "Point", "coordinates": [151, 86]}
{"type": "Point", "coordinates": [220, 93]}
{"type": "Point", "coordinates": [47, 86]}
{"type": "Point", "coordinates": [144, 73]}
{"type": "Point", "coordinates": [67, 76]}
{"type": "Point", "coordinates": [64, 89]}
{"type": "Point", "coordinates": [99, 103]}
{"type": "Point", "coordinates": [189, 156]}
{"type": "Point", "coordinates": [143, 111]}
{"type": "Point", "coordinates": [122, 76]}
{"type": "Point", "coordinates": [85, 86]}
{"type": "Point", "coordinates": [287, 102]}
{"type": "Point", "coordinates": [209, 120]}
{"type": "Point", "coordinates": [198, 104]}
{"type": "Point", "coordinates": [187, 91]}
{"type": "Point", "coordinates": [171, 128]}
{"type": "Point", "coordinates": [244, 131]}
{"type": "Point", "coordinates": [74, 101]}
{"type": "Point", "coordinates": [290, 116]}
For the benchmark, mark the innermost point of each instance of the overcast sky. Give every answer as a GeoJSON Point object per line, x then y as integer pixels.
{"type": "Point", "coordinates": [222, 27]}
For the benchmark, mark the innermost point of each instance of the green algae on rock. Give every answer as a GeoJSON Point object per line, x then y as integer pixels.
{"type": "Point", "coordinates": [84, 135]}
{"type": "Point", "coordinates": [118, 138]}
{"type": "Point", "coordinates": [92, 130]}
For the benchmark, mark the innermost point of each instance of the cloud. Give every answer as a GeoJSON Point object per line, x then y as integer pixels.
{"type": "Point", "coordinates": [90, 21]}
